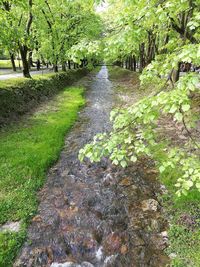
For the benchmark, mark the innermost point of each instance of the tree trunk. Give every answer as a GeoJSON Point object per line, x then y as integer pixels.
{"type": "Point", "coordinates": [24, 51]}
{"type": "Point", "coordinates": [38, 64]}
{"type": "Point", "coordinates": [134, 63]}
{"type": "Point", "coordinates": [142, 57]}
{"type": "Point", "coordinates": [131, 63]}
{"type": "Point", "coordinates": [64, 67]}
{"type": "Point", "coordinates": [55, 67]}
{"type": "Point", "coordinates": [69, 64]}
{"type": "Point", "coordinates": [30, 59]}
{"type": "Point", "coordinates": [12, 58]}
{"type": "Point", "coordinates": [176, 73]}
{"type": "Point", "coordinates": [126, 64]}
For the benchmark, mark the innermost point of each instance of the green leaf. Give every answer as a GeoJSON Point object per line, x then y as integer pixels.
{"type": "Point", "coordinates": [185, 107]}
{"type": "Point", "coordinates": [133, 158]}
{"type": "Point", "coordinates": [178, 116]}
{"type": "Point", "coordinates": [161, 169]}
{"type": "Point", "coordinates": [123, 163]}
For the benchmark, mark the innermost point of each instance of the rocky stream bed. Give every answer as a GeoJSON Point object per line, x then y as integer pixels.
{"type": "Point", "coordinates": [96, 214]}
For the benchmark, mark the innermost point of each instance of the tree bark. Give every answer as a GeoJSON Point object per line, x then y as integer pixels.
{"type": "Point", "coordinates": [64, 66]}
{"type": "Point", "coordinates": [12, 58]}
{"type": "Point", "coordinates": [176, 73]}
{"type": "Point", "coordinates": [55, 67]}
{"type": "Point", "coordinates": [69, 64]}
{"type": "Point", "coordinates": [142, 57]}
{"type": "Point", "coordinates": [24, 51]}
{"type": "Point", "coordinates": [134, 63]}
{"type": "Point", "coordinates": [38, 64]}
{"type": "Point", "coordinates": [30, 59]}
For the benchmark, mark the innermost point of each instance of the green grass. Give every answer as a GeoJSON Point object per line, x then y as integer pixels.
{"type": "Point", "coordinates": [184, 230]}
{"type": "Point", "coordinates": [184, 218]}
{"type": "Point", "coordinates": [26, 153]}
{"type": "Point", "coordinates": [117, 73]}
{"type": "Point", "coordinates": [6, 63]}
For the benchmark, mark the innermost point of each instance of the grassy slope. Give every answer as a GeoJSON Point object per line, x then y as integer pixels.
{"type": "Point", "coordinates": [27, 151]}
{"type": "Point", "coordinates": [184, 212]}
{"type": "Point", "coordinates": [117, 73]}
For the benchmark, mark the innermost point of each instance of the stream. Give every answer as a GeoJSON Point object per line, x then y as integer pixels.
{"type": "Point", "coordinates": [96, 215]}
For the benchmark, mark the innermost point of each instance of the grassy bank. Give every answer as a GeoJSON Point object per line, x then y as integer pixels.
{"type": "Point", "coordinates": [19, 96]}
{"type": "Point", "coordinates": [117, 73]}
{"type": "Point", "coordinates": [27, 151]}
{"type": "Point", "coordinates": [184, 230]}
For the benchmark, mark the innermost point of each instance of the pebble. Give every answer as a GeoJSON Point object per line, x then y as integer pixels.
{"type": "Point", "coordinates": [149, 205]}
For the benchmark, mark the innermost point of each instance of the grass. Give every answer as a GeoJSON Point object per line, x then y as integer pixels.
{"type": "Point", "coordinates": [117, 73]}
{"type": "Point", "coordinates": [27, 151]}
{"type": "Point", "coordinates": [184, 230]}
{"type": "Point", "coordinates": [6, 63]}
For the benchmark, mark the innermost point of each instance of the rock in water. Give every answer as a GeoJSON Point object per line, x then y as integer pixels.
{"type": "Point", "coordinates": [149, 205]}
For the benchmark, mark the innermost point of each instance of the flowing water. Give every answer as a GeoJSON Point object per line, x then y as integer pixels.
{"type": "Point", "coordinates": [96, 214]}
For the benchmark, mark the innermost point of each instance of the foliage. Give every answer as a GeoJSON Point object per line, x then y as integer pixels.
{"type": "Point", "coordinates": [138, 30]}
{"type": "Point", "coordinates": [47, 30]}
{"type": "Point", "coordinates": [10, 244]}
{"type": "Point", "coordinates": [27, 151]}
{"type": "Point", "coordinates": [184, 235]}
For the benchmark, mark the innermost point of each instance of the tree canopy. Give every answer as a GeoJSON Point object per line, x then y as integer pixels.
{"type": "Point", "coordinates": [47, 29]}
{"type": "Point", "coordinates": [158, 36]}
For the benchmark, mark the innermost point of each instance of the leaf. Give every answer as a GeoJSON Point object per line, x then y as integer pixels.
{"type": "Point", "coordinates": [178, 116]}
{"type": "Point", "coordinates": [123, 163]}
{"type": "Point", "coordinates": [115, 161]}
{"type": "Point", "coordinates": [198, 186]}
{"type": "Point", "coordinates": [173, 109]}
{"type": "Point", "coordinates": [189, 183]}
{"type": "Point", "coordinates": [133, 158]}
{"type": "Point", "coordinates": [185, 107]}
{"type": "Point", "coordinates": [161, 169]}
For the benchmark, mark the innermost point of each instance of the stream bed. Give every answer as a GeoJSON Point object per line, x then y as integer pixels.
{"type": "Point", "coordinates": [96, 215]}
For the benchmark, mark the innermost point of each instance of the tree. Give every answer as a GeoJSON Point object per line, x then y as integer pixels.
{"type": "Point", "coordinates": [164, 34]}
{"type": "Point", "coordinates": [46, 29]}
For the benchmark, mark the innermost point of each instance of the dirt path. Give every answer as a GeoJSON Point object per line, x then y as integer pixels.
{"type": "Point", "coordinates": [96, 214]}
